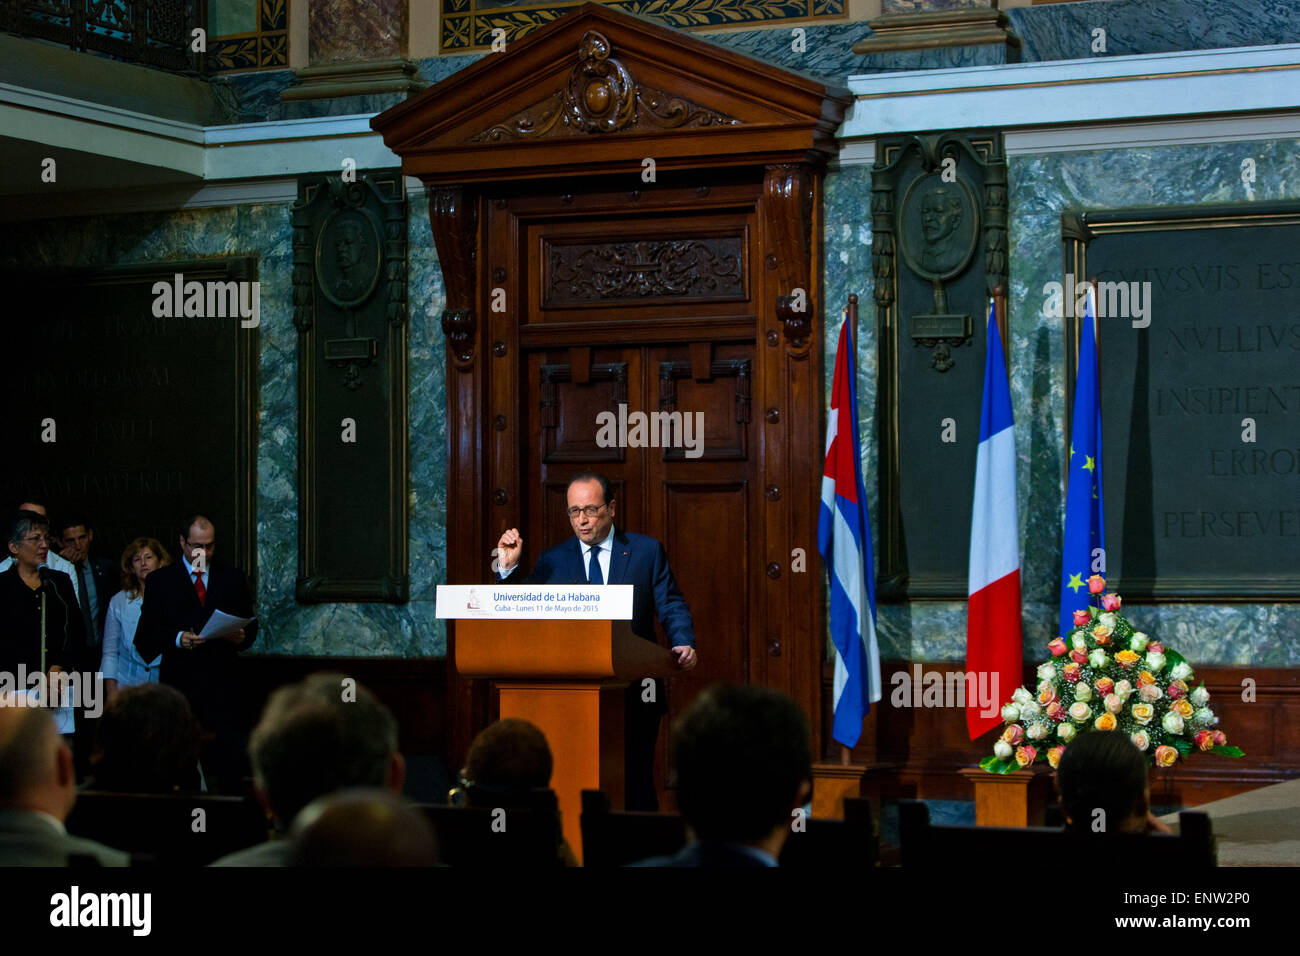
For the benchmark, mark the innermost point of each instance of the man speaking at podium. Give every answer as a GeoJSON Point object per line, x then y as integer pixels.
{"type": "Point", "coordinates": [600, 554]}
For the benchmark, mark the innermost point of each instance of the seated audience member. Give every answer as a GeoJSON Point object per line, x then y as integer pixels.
{"type": "Point", "coordinates": [148, 742]}
{"type": "Point", "coordinates": [362, 827]}
{"type": "Point", "coordinates": [743, 766]}
{"type": "Point", "coordinates": [312, 742]}
{"type": "Point", "coordinates": [37, 790]}
{"type": "Point", "coordinates": [1105, 772]}
{"type": "Point", "coordinates": [506, 761]}
{"type": "Point", "coordinates": [122, 665]}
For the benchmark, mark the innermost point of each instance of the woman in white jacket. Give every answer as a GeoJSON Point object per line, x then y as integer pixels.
{"type": "Point", "coordinates": [122, 664]}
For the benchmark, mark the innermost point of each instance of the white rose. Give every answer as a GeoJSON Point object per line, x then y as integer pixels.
{"type": "Point", "coordinates": [1082, 691]}
{"type": "Point", "coordinates": [1204, 718]}
{"type": "Point", "coordinates": [1066, 732]}
{"type": "Point", "coordinates": [1108, 619]}
{"type": "Point", "coordinates": [1097, 659]}
{"type": "Point", "coordinates": [1141, 740]}
{"type": "Point", "coordinates": [1079, 640]}
{"type": "Point", "coordinates": [1046, 671]}
{"type": "Point", "coordinates": [1030, 709]}
{"type": "Point", "coordinates": [1181, 671]}
{"type": "Point", "coordinates": [1199, 697]}
{"type": "Point", "coordinates": [1138, 642]}
{"type": "Point", "coordinates": [1114, 704]}
{"type": "Point", "coordinates": [1003, 750]}
{"type": "Point", "coordinates": [1123, 689]}
{"type": "Point", "coordinates": [1021, 696]}
{"type": "Point", "coordinates": [1036, 731]}
{"type": "Point", "coordinates": [1155, 662]}
{"type": "Point", "coordinates": [1150, 693]}
{"type": "Point", "coordinates": [1173, 722]}
{"type": "Point", "coordinates": [1080, 712]}
{"type": "Point", "coordinates": [1010, 713]}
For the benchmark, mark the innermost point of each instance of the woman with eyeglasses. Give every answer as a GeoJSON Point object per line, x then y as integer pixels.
{"type": "Point", "coordinates": [122, 665]}
{"type": "Point", "coordinates": [39, 614]}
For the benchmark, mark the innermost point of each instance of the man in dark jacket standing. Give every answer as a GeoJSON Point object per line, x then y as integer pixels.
{"type": "Point", "coordinates": [180, 599]}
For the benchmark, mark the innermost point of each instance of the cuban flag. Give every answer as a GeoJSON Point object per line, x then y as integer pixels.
{"type": "Point", "coordinates": [993, 641]}
{"type": "Point", "coordinates": [1085, 522]}
{"type": "Point", "coordinates": [844, 540]}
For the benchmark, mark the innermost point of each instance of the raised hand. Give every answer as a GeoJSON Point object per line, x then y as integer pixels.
{"type": "Point", "coordinates": [508, 550]}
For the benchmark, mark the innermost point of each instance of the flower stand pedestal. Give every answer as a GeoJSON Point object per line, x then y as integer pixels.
{"type": "Point", "coordinates": [832, 782]}
{"type": "Point", "coordinates": [1017, 799]}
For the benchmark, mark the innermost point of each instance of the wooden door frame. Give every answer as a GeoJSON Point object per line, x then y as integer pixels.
{"type": "Point", "coordinates": [525, 118]}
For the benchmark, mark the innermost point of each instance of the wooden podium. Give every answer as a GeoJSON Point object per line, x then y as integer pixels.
{"type": "Point", "coordinates": [568, 678]}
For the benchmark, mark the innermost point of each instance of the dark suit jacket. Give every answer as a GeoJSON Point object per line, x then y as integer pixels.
{"type": "Point", "coordinates": [108, 581]}
{"type": "Point", "coordinates": [28, 839]}
{"type": "Point", "coordinates": [635, 559]}
{"type": "Point", "coordinates": [20, 622]}
{"type": "Point", "coordinates": [716, 856]}
{"type": "Point", "coordinates": [172, 605]}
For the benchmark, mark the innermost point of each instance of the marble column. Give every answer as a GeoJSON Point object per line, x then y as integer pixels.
{"type": "Point", "coordinates": [356, 48]}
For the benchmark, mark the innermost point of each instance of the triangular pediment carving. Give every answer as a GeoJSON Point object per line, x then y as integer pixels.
{"type": "Point", "coordinates": [601, 96]}
{"type": "Point", "coordinates": [599, 75]}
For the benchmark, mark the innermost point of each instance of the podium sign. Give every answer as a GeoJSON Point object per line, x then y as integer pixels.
{"type": "Point", "coordinates": [541, 602]}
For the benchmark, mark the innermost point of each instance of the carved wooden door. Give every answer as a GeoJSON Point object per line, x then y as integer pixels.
{"type": "Point", "coordinates": [636, 359]}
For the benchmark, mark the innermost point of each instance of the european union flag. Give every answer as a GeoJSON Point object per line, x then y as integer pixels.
{"type": "Point", "coordinates": [1085, 524]}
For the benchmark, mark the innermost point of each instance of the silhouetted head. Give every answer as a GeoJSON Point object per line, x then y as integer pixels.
{"type": "Point", "coordinates": [1103, 771]}
{"type": "Point", "coordinates": [147, 742]}
{"type": "Point", "coordinates": [362, 827]}
{"type": "Point", "coordinates": [743, 762]}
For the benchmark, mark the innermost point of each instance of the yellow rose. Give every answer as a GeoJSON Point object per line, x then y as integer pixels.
{"type": "Point", "coordinates": [1183, 707]}
{"type": "Point", "coordinates": [1105, 722]}
{"type": "Point", "coordinates": [1143, 713]}
{"type": "Point", "coordinates": [1126, 659]}
{"type": "Point", "coordinates": [1146, 677]}
{"type": "Point", "coordinates": [1165, 756]}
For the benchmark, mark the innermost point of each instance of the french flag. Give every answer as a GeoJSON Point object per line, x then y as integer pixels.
{"type": "Point", "coordinates": [844, 540]}
{"type": "Point", "coordinates": [993, 641]}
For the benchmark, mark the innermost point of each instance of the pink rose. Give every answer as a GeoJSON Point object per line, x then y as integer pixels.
{"type": "Point", "coordinates": [1177, 689]}
{"type": "Point", "coordinates": [1220, 739]}
{"type": "Point", "coordinates": [1057, 647]}
{"type": "Point", "coordinates": [1047, 694]}
{"type": "Point", "coordinates": [1103, 685]}
{"type": "Point", "coordinates": [1079, 656]}
{"type": "Point", "coordinates": [1013, 734]}
{"type": "Point", "coordinates": [1072, 672]}
{"type": "Point", "coordinates": [1056, 711]}
{"type": "Point", "coordinates": [1054, 756]}
{"type": "Point", "coordinates": [1081, 618]}
{"type": "Point", "coordinates": [1156, 647]}
{"type": "Point", "coordinates": [1204, 739]}
{"type": "Point", "coordinates": [1110, 602]}
{"type": "Point", "coordinates": [1096, 584]}
{"type": "Point", "coordinates": [1026, 755]}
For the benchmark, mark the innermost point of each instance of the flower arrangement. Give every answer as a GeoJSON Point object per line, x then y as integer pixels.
{"type": "Point", "coordinates": [1108, 676]}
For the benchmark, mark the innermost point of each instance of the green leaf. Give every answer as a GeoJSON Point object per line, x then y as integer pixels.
{"type": "Point", "coordinates": [1228, 751]}
{"type": "Point", "coordinates": [1182, 746]}
{"type": "Point", "coordinates": [1173, 658]}
{"type": "Point", "coordinates": [993, 765]}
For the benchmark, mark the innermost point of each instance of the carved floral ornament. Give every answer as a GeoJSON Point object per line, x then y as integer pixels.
{"type": "Point", "coordinates": [601, 96]}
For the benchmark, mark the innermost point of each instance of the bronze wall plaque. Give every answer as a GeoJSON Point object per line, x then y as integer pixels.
{"type": "Point", "coordinates": [1199, 334]}
{"type": "Point", "coordinates": [350, 312]}
{"type": "Point", "coordinates": [938, 249]}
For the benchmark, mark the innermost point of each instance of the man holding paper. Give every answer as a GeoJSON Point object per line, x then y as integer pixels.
{"type": "Point", "coordinates": [598, 553]}
{"type": "Point", "coordinates": [192, 616]}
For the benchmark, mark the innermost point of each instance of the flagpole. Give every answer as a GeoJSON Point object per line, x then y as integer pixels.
{"type": "Point", "coordinates": [851, 317]}
{"type": "Point", "coordinates": [1000, 316]}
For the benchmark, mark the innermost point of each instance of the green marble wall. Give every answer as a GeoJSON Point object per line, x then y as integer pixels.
{"type": "Point", "coordinates": [1041, 188]}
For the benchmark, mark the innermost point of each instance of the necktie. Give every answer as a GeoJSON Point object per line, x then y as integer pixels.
{"type": "Point", "coordinates": [85, 604]}
{"type": "Point", "coordinates": [200, 589]}
{"type": "Point", "coordinates": [593, 568]}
